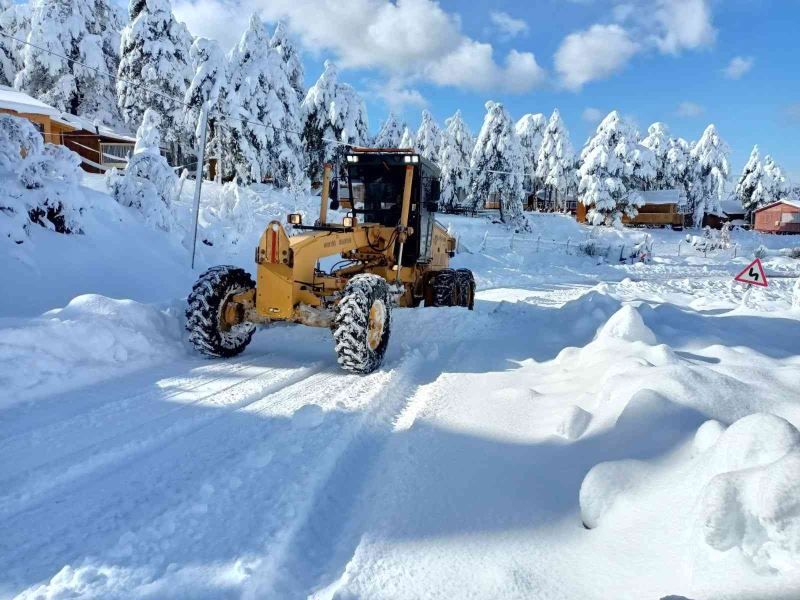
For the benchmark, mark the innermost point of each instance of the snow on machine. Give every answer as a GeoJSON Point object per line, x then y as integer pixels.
{"type": "Point", "coordinates": [393, 253]}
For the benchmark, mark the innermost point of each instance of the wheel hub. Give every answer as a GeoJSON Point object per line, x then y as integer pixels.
{"type": "Point", "coordinates": [377, 319]}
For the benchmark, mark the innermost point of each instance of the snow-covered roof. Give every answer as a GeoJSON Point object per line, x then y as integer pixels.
{"type": "Point", "coordinates": [662, 197]}
{"type": "Point", "coordinates": [787, 201]}
{"type": "Point", "coordinates": [21, 102]}
{"type": "Point", "coordinates": [732, 206]}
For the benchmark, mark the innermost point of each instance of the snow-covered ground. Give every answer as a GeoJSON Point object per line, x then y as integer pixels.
{"type": "Point", "coordinates": [593, 429]}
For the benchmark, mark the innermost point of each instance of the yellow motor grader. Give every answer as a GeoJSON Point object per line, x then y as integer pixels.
{"type": "Point", "coordinates": [392, 253]}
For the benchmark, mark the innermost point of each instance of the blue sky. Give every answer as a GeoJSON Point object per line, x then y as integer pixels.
{"type": "Point", "coordinates": [687, 63]}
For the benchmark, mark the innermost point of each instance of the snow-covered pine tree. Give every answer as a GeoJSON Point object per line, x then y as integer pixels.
{"type": "Point", "coordinates": [779, 184]}
{"type": "Point", "coordinates": [14, 20]}
{"type": "Point", "coordinates": [711, 169]}
{"type": "Point", "coordinates": [155, 70]}
{"type": "Point", "coordinates": [293, 66]}
{"type": "Point", "coordinates": [268, 102]}
{"type": "Point", "coordinates": [428, 137]}
{"type": "Point", "coordinates": [454, 158]}
{"type": "Point", "coordinates": [497, 166]}
{"type": "Point", "coordinates": [530, 131]}
{"type": "Point", "coordinates": [390, 134]}
{"type": "Point", "coordinates": [331, 111]}
{"type": "Point", "coordinates": [679, 167]}
{"type": "Point", "coordinates": [555, 165]}
{"type": "Point", "coordinates": [608, 165]}
{"type": "Point", "coordinates": [147, 183]}
{"type": "Point", "coordinates": [658, 141]}
{"type": "Point", "coordinates": [408, 140]}
{"type": "Point", "coordinates": [750, 181]}
{"type": "Point", "coordinates": [84, 31]}
{"type": "Point", "coordinates": [204, 89]}
{"type": "Point", "coordinates": [640, 165]}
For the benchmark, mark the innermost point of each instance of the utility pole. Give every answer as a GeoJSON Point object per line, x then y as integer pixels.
{"type": "Point", "coordinates": [198, 182]}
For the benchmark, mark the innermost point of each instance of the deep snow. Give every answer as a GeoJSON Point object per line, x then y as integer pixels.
{"type": "Point", "coordinates": [594, 429]}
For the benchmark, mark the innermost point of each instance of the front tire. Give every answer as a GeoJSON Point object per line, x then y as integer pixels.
{"type": "Point", "coordinates": [362, 323]}
{"type": "Point", "coordinates": [204, 313]}
{"type": "Point", "coordinates": [465, 286]}
{"type": "Point", "coordinates": [444, 288]}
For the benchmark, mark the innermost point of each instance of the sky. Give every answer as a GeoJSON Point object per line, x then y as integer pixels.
{"type": "Point", "coordinates": [686, 63]}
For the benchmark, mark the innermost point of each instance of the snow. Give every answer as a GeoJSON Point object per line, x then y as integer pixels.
{"type": "Point", "coordinates": [653, 402]}
{"type": "Point", "coordinates": [662, 197]}
{"type": "Point", "coordinates": [21, 102]}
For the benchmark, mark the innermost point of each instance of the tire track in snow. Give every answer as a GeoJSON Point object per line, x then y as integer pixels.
{"type": "Point", "coordinates": [54, 421]}
{"type": "Point", "coordinates": [303, 551]}
{"type": "Point", "coordinates": [89, 460]}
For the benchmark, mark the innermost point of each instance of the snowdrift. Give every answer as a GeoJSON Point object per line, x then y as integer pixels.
{"type": "Point", "coordinates": [92, 338]}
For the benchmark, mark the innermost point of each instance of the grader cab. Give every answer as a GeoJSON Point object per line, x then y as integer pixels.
{"type": "Point", "coordinates": [391, 251]}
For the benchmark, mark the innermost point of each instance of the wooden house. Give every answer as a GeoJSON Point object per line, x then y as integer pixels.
{"type": "Point", "coordinates": [731, 211]}
{"type": "Point", "coordinates": [782, 216]}
{"type": "Point", "coordinates": [99, 147]}
{"type": "Point", "coordinates": [662, 208]}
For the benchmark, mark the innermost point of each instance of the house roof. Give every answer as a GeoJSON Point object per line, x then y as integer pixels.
{"type": "Point", "coordinates": [662, 197]}
{"type": "Point", "coordinates": [787, 201]}
{"type": "Point", "coordinates": [732, 206]}
{"type": "Point", "coordinates": [21, 102]}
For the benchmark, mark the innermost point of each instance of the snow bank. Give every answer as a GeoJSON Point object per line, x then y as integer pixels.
{"type": "Point", "coordinates": [627, 324]}
{"type": "Point", "coordinates": [605, 485]}
{"type": "Point", "coordinates": [90, 339]}
{"type": "Point", "coordinates": [753, 501]}
{"type": "Point", "coordinates": [574, 423]}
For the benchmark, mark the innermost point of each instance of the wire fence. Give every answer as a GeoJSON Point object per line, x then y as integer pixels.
{"type": "Point", "coordinates": [622, 252]}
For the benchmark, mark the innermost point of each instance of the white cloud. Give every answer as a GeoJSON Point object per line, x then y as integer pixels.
{"type": "Point", "coordinates": [666, 26]}
{"type": "Point", "coordinates": [738, 66]}
{"type": "Point", "coordinates": [396, 96]}
{"type": "Point", "coordinates": [592, 115]}
{"type": "Point", "coordinates": [406, 39]}
{"type": "Point", "coordinates": [684, 24]}
{"type": "Point", "coordinates": [507, 25]}
{"type": "Point", "coordinates": [689, 110]}
{"type": "Point", "coordinates": [593, 54]}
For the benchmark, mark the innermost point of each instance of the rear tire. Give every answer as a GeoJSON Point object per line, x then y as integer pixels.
{"type": "Point", "coordinates": [362, 323]}
{"type": "Point", "coordinates": [465, 286]}
{"type": "Point", "coordinates": [206, 302]}
{"type": "Point", "coordinates": [444, 288]}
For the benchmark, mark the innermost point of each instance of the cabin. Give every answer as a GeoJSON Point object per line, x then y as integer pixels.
{"type": "Point", "coordinates": [782, 216]}
{"type": "Point", "coordinates": [47, 119]}
{"type": "Point", "coordinates": [731, 211]}
{"type": "Point", "coordinates": [662, 208]}
{"type": "Point", "coordinates": [99, 147]}
{"type": "Point", "coordinates": [551, 201]}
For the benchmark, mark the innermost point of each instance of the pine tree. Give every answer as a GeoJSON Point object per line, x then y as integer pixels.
{"type": "Point", "coordinates": [530, 131]}
{"type": "Point", "coordinates": [293, 66]}
{"type": "Point", "coordinates": [454, 159]}
{"type": "Point", "coordinates": [408, 140]}
{"type": "Point", "coordinates": [779, 185]}
{"type": "Point", "coordinates": [711, 170]}
{"type": "Point", "coordinates": [204, 89]}
{"type": "Point", "coordinates": [269, 102]}
{"type": "Point", "coordinates": [332, 112]}
{"type": "Point", "coordinates": [679, 165]}
{"type": "Point", "coordinates": [613, 166]}
{"type": "Point", "coordinates": [14, 20]}
{"type": "Point", "coordinates": [390, 134]}
{"type": "Point", "coordinates": [428, 137]}
{"type": "Point", "coordinates": [555, 165]}
{"type": "Point", "coordinates": [497, 166]}
{"type": "Point", "coordinates": [83, 31]}
{"type": "Point", "coordinates": [155, 70]}
{"type": "Point", "coordinates": [750, 181]}
{"type": "Point", "coordinates": [658, 141]}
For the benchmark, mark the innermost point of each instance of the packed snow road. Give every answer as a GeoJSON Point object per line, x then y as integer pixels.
{"type": "Point", "coordinates": [564, 440]}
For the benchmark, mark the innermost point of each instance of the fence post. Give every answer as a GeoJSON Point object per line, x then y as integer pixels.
{"type": "Point", "coordinates": [569, 239]}
{"type": "Point", "coordinates": [483, 243]}
{"type": "Point", "coordinates": [511, 242]}
{"type": "Point", "coordinates": [621, 252]}
{"type": "Point", "coordinates": [538, 239]}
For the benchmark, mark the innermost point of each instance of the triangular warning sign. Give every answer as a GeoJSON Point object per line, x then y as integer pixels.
{"type": "Point", "coordinates": [753, 274]}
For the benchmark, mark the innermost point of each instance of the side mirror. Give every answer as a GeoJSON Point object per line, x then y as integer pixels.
{"type": "Point", "coordinates": [333, 194]}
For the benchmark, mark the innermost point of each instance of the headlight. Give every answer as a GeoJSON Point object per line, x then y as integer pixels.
{"type": "Point", "coordinates": [407, 158]}
{"type": "Point", "coordinates": [295, 219]}
{"type": "Point", "coordinates": [411, 159]}
{"type": "Point", "coordinates": [415, 159]}
{"type": "Point", "coordinates": [351, 158]}
{"type": "Point", "coordinates": [349, 221]}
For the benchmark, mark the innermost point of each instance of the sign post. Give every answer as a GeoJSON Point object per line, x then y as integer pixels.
{"type": "Point", "coordinates": [753, 274]}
